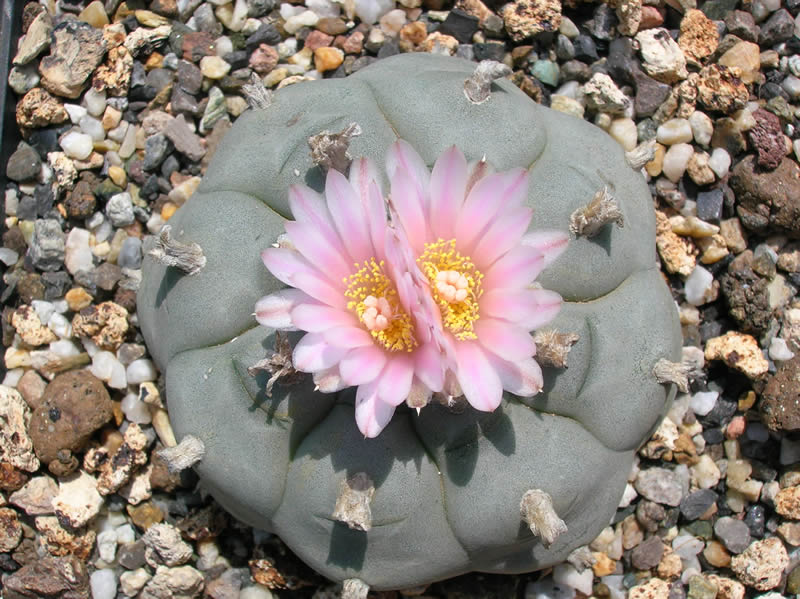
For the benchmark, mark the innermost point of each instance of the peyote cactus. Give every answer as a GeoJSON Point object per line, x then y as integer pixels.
{"type": "Point", "coordinates": [443, 491]}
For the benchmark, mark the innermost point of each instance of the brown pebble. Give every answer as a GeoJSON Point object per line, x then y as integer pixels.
{"type": "Point", "coordinates": [74, 405]}
{"type": "Point", "coordinates": [327, 59]}
{"type": "Point", "coordinates": [78, 299]}
{"type": "Point", "coordinates": [31, 386]}
{"type": "Point", "coordinates": [263, 59]}
{"type": "Point", "coordinates": [145, 514]}
{"type": "Point", "coordinates": [415, 33]}
{"type": "Point", "coordinates": [317, 39]}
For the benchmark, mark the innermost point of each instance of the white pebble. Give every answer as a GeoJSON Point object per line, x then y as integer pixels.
{"type": "Point", "coordinates": [78, 254]}
{"type": "Point", "coordinates": [93, 128]}
{"type": "Point", "coordinates": [796, 148]}
{"type": "Point", "coordinates": [95, 102]}
{"type": "Point", "coordinates": [11, 202]}
{"type": "Point", "coordinates": [779, 351]}
{"type": "Point", "coordinates": [75, 112]}
{"type": "Point", "coordinates": [698, 286]}
{"type": "Point", "coordinates": [135, 410]}
{"type": "Point", "coordinates": [675, 161]}
{"type": "Point", "coordinates": [627, 496]}
{"type": "Point", "coordinates": [255, 591]}
{"type": "Point", "coordinates": [304, 19]}
{"type": "Point", "coordinates": [118, 133]}
{"type": "Point", "coordinates": [141, 371]}
{"type": "Point", "coordinates": [102, 365]}
{"type": "Point", "coordinates": [570, 89]}
{"type": "Point", "coordinates": [128, 145]}
{"type": "Point", "coordinates": [64, 348]}
{"type": "Point", "coordinates": [103, 584]}
{"type": "Point", "coordinates": [687, 546]}
{"type": "Point", "coordinates": [720, 162]}
{"type": "Point", "coordinates": [8, 256]}
{"type": "Point", "coordinates": [324, 8]}
{"type": "Point", "coordinates": [44, 310]}
{"type": "Point", "coordinates": [616, 588]}
{"type": "Point", "coordinates": [702, 127]}
{"type": "Point", "coordinates": [392, 22]}
{"type": "Point", "coordinates": [703, 402]}
{"type": "Point", "coordinates": [107, 545]}
{"type": "Point", "coordinates": [125, 534]}
{"type": "Point", "coordinates": [60, 325]}
{"type": "Point", "coordinates": [287, 11]}
{"type": "Point", "coordinates": [76, 145]}
{"type": "Point", "coordinates": [154, 223]}
{"type": "Point", "coordinates": [566, 574]}
{"type": "Point", "coordinates": [369, 11]}
{"type": "Point", "coordinates": [117, 379]}
{"type": "Point", "coordinates": [223, 45]}
{"type": "Point", "coordinates": [624, 131]}
{"type": "Point", "coordinates": [90, 347]}
{"type": "Point", "coordinates": [287, 47]}
{"type": "Point", "coordinates": [12, 377]}
{"type": "Point", "coordinates": [674, 131]}
{"type": "Point", "coordinates": [545, 588]}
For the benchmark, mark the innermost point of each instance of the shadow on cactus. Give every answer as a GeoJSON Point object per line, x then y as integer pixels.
{"type": "Point", "coordinates": [457, 337]}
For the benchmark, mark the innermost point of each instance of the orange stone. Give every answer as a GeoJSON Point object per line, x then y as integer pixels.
{"type": "Point", "coordinates": [327, 58]}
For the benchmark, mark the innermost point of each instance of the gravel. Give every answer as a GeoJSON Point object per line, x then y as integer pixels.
{"type": "Point", "coordinates": [117, 136]}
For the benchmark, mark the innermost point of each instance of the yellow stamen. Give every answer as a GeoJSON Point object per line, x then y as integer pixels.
{"type": "Point", "coordinates": [456, 286]}
{"type": "Point", "coordinates": [374, 300]}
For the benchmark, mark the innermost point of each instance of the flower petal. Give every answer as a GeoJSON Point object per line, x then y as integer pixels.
{"type": "Point", "coordinates": [348, 337]}
{"type": "Point", "coordinates": [313, 353]}
{"type": "Point", "coordinates": [363, 173]}
{"type": "Point", "coordinates": [394, 384]}
{"type": "Point", "coordinates": [309, 207]}
{"type": "Point", "coordinates": [528, 308]}
{"type": "Point", "coordinates": [274, 310]}
{"type": "Point", "coordinates": [372, 415]}
{"type": "Point", "coordinates": [362, 365]}
{"type": "Point", "coordinates": [401, 154]}
{"type": "Point", "coordinates": [428, 366]}
{"type": "Point", "coordinates": [329, 380]}
{"type": "Point", "coordinates": [447, 192]}
{"type": "Point", "coordinates": [316, 249]}
{"type": "Point", "coordinates": [509, 341]}
{"type": "Point", "coordinates": [408, 201]}
{"type": "Point", "coordinates": [478, 380]}
{"type": "Point", "coordinates": [522, 377]}
{"type": "Point", "coordinates": [348, 216]}
{"type": "Point", "coordinates": [316, 318]}
{"type": "Point", "coordinates": [502, 235]}
{"type": "Point", "coordinates": [376, 217]}
{"type": "Point", "coordinates": [549, 244]}
{"type": "Point", "coordinates": [490, 195]}
{"type": "Point", "coordinates": [519, 267]}
{"type": "Point", "coordinates": [289, 267]}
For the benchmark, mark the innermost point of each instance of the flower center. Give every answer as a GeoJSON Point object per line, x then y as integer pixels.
{"type": "Point", "coordinates": [456, 286]}
{"type": "Point", "coordinates": [374, 299]}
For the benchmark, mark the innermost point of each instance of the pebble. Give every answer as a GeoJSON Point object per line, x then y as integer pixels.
{"type": "Point", "coordinates": [77, 145]}
{"type": "Point", "coordinates": [119, 210]}
{"type": "Point", "coordinates": [106, 367]}
{"type": "Point", "coordinates": [44, 577]}
{"type": "Point", "coordinates": [762, 564]}
{"type": "Point", "coordinates": [78, 254]}
{"type": "Point", "coordinates": [719, 162]}
{"type": "Point", "coordinates": [47, 246]}
{"type": "Point", "coordinates": [624, 132]}
{"type": "Point", "coordinates": [77, 502]}
{"type": "Point", "coordinates": [327, 59]}
{"type": "Point", "coordinates": [705, 472]}
{"type": "Point", "coordinates": [676, 159]}
{"type": "Point", "coordinates": [738, 351]}
{"type": "Point", "coordinates": [565, 574]}
{"type": "Point", "coordinates": [36, 39]}
{"type": "Point", "coordinates": [745, 56]}
{"type": "Point", "coordinates": [663, 59]}
{"type": "Point", "coordinates": [778, 28]}
{"type": "Point", "coordinates": [659, 485]}
{"type": "Point", "coordinates": [733, 533]}
{"type": "Point", "coordinates": [697, 503]}
{"type": "Point", "coordinates": [702, 402]}
{"type": "Point", "coordinates": [103, 584]}
{"type": "Point", "coordinates": [698, 36]}
{"type": "Point", "coordinates": [76, 50]}
{"type": "Point", "coordinates": [24, 164]}
{"type": "Point", "coordinates": [654, 588]}
{"type": "Point", "coordinates": [702, 127]}
{"type": "Point", "coordinates": [214, 67]}
{"type": "Point", "coordinates": [674, 131]}
{"type": "Point", "coordinates": [74, 405]}
{"type": "Point", "coordinates": [306, 18]}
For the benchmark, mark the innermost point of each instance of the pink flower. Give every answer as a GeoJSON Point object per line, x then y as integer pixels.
{"type": "Point", "coordinates": [475, 261]}
{"type": "Point", "coordinates": [437, 299]}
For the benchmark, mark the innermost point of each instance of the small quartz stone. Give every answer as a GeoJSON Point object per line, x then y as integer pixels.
{"type": "Point", "coordinates": [702, 127]}
{"type": "Point", "coordinates": [659, 485]}
{"type": "Point", "coordinates": [214, 67]}
{"type": "Point", "coordinates": [674, 131]}
{"type": "Point", "coordinates": [76, 145]}
{"type": "Point", "coordinates": [719, 162]}
{"type": "Point", "coordinates": [676, 160]}
{"type": "Point", "coordinates": [744, 56]}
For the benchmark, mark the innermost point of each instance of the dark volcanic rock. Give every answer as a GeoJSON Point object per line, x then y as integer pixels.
{"type": "Point", "coordinates": [767, 138]}
{"type": "Point", "coordinates": [746, 294]}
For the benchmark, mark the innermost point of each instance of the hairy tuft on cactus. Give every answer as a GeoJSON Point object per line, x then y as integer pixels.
{"type": "Point", "coordinates": [437, 288]}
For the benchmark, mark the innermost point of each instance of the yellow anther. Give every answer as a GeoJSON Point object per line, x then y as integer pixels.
{"type": "Point", "coordinates": [374, 300]}
{"type": "Point", "coordinates": [456, 285]}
